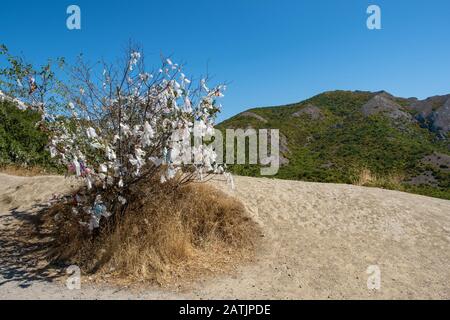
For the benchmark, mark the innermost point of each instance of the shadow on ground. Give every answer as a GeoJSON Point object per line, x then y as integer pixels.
{"type": "Point", "coordinates": [24, 246]}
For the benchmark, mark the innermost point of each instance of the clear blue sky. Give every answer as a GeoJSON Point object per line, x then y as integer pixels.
{"type": "Point", "coordinates": [271, 52]}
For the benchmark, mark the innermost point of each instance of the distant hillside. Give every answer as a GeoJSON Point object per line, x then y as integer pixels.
{"type": "Point", "coordinates": [364, 138]}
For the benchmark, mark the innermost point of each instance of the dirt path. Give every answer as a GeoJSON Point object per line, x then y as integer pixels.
{"type": "Point", "coordinates": [319, 240]}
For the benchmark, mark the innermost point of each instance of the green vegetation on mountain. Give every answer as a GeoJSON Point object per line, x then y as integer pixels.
{"type": "Point", "coordinates": [329, 138]}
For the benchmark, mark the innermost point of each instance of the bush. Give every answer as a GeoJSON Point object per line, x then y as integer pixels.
{"type": "Point", "coordinates": [164, 233]}
{"type": "Point", "coordinates": [127, 135]}
{"type": "Point", "coordinates": [22, 143]}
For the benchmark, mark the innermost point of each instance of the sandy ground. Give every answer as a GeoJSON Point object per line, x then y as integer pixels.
{"type": "Point", "coordinates": [319, 240]}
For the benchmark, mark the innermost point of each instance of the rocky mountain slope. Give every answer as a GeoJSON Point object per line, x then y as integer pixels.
{"type": "Point", "coordinates": [368, 138]}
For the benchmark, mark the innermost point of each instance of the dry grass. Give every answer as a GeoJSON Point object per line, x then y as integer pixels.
{"type": "Point", "coordinates": [369, 179]}
{"type": "Point", "coordinates": [163, 237]}
{"type": "Point", "coordinates": [22, 171]}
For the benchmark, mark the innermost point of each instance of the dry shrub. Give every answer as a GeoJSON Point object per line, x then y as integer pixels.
{"type": "Point", "coordinates": [22, 171]}
{"type": "Point", "coordinates": [164, 233]}
{"type": "Point", "coordinates": [365, 177]}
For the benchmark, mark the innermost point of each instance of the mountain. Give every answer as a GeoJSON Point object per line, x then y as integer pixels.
{"type": "Point", "coordinates": [358, 137]}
